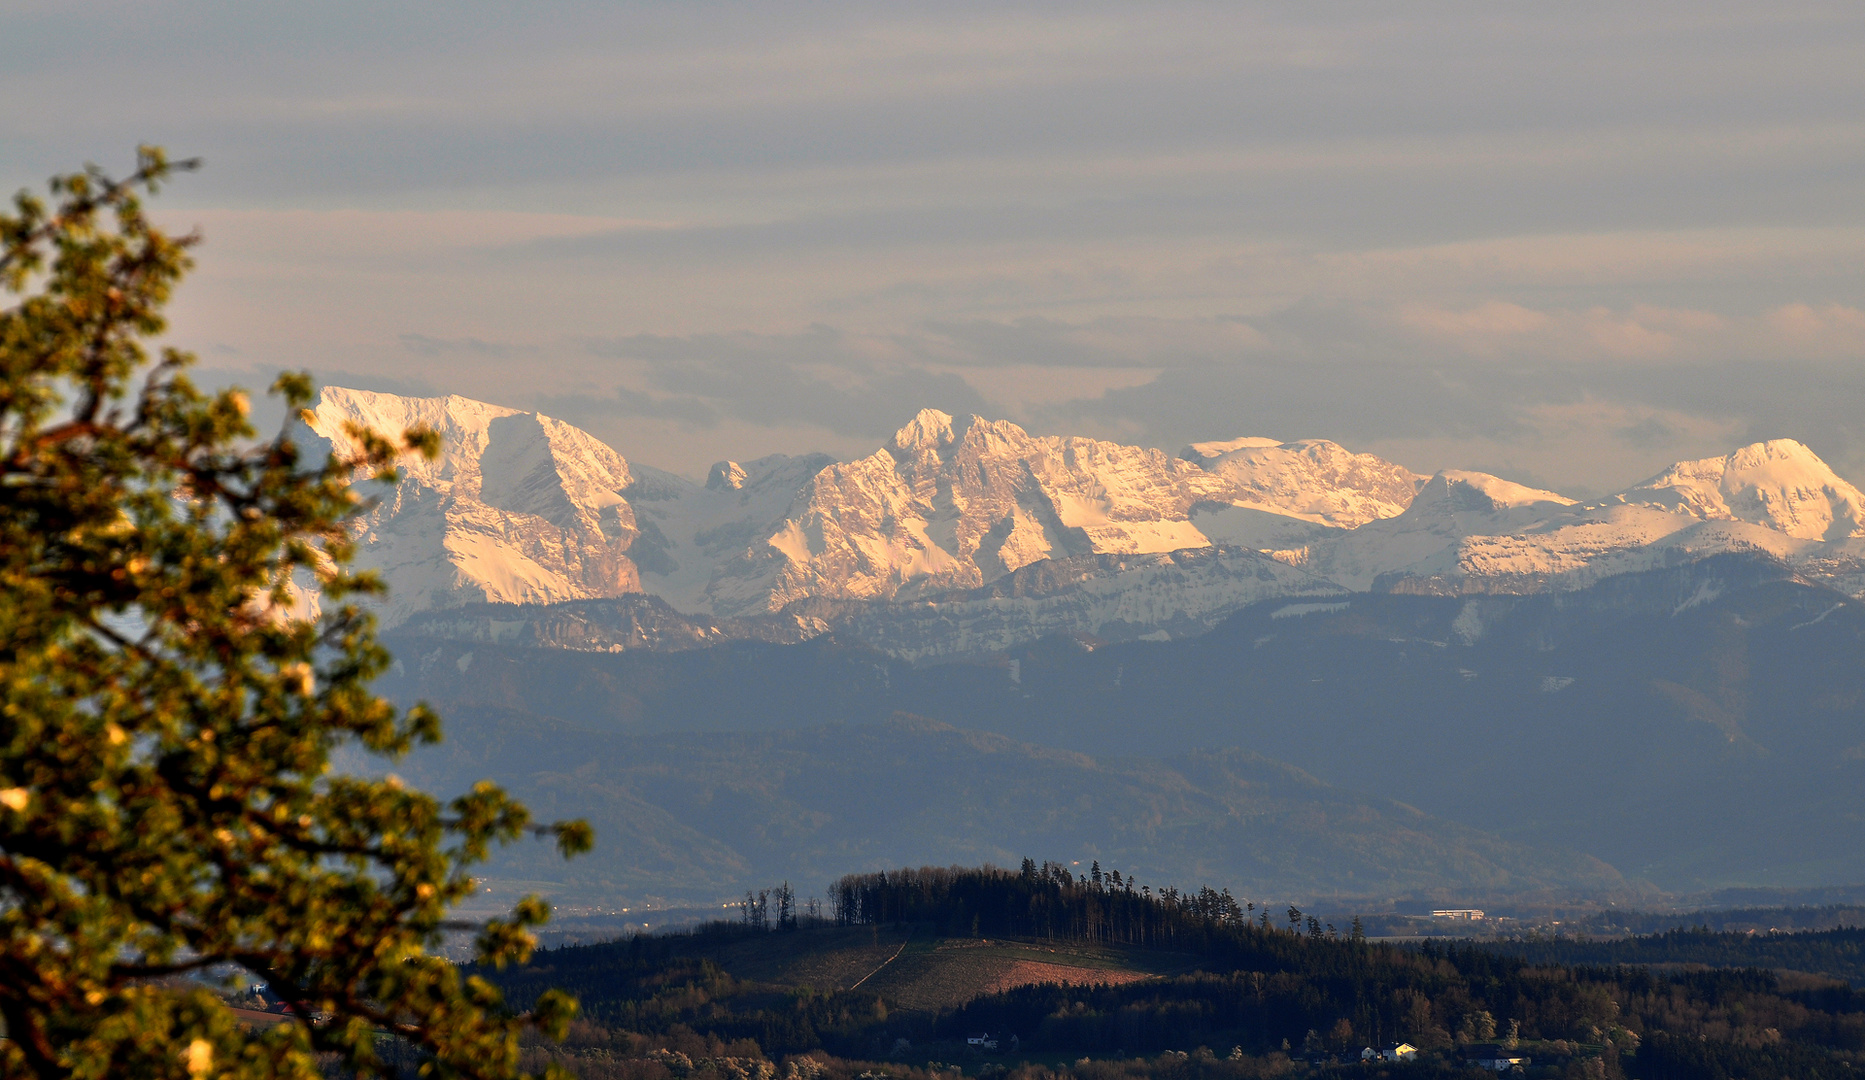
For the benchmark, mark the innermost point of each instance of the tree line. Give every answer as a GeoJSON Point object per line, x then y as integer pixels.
{"type": "Point", "coordinates": [1052, 903]}
{"type": "Point", "coordinates": [1839, 953]}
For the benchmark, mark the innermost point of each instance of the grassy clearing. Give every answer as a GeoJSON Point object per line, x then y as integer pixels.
{"type": "Point", "coordinates": [929, 973]}
{"type": "Point", "coordinates": [825, 958]}
{"type": "Point", "coordinates": [938, 973]}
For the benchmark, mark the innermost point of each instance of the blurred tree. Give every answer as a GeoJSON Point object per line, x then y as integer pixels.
{"type": "Point", "coordinates": [167, 722]}
{"type": "Point", "coordinates": [1478, 1026]}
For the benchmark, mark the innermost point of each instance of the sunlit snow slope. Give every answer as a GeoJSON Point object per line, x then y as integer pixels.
{"type": "Point", "coordinates": [1467, 532]}
{"type": "Point", "coordinates": [518, 507]}
{"type": "Point", "coordinates": [523, 509]}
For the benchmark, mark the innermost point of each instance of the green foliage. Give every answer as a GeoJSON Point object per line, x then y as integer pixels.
{"type": "Point", "coordinates": [165, 802]}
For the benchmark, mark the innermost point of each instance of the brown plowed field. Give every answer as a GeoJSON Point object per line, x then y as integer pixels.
{"type": "Point", "coordinates": [933, 974]}
{"type": "Point", "coordinates": [1031, 972]}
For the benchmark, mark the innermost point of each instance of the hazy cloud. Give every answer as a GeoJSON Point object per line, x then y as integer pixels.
{"type": "Point", "coordinates": [1132, 341]}
{"type": "Point", "coordinates": [1558, 386]}
{"type": "Point", "coordinates": [821, 378]}
{"type": "Point", "coordinates": [424, 345]}
{"type": "Point", "coordinates": [688, 411]}
{"type": "Point", "coordinates": [1563, 241]}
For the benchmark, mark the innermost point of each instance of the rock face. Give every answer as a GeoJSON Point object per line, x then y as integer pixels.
{"type": "Point", "coordinates": [961, 536]}
{"type": "Point", "coordinates": [944, 507]}
{"type": "Point", "coordinates": [959, 504]}
{"type": "Point", "coordinates": [1312, 480]}
{"type": "Point", "coordinates": [518, 507]}
{"type": "Point", "coordinates": [1427, 539]}
{"type": "Point", "coordinates": [689, 532]}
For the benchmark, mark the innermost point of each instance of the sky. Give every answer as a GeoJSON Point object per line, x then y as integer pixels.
{"type": "Point", "coordinates": [1565, 243]}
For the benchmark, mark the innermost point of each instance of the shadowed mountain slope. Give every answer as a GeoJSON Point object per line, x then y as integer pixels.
{"type": "Point", "coordinates": [1702, 726]}
{"type": "Point", "coordinates": [706, 816]}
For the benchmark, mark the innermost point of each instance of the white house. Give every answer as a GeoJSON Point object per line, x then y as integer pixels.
{"type": "Point", "coordinates": [1493, 1057]}
{"type": "Point", "coordinates": [1401, 1051]}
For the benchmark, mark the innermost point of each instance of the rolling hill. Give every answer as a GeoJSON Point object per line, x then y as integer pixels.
{"type": "Point", "coordinates": [705, 816]}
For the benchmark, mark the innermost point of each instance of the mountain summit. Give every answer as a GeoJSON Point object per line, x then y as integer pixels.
{"type": "Point", "coordinates": [1313, 480]}
{"type": "Point", "coordinates": [518, 507]}
{"type": "Point", "coordinates": [1780, 484]}
{"type": "Point", "coordinates": [523, 509]}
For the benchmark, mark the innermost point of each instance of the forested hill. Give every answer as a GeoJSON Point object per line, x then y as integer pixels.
{"type": "Point", "coordinates": [1838, 953]}
{"type": "Point", "coordinates": [1139, 978]}
{"type": "Point", "coordinates": [1051, 902]}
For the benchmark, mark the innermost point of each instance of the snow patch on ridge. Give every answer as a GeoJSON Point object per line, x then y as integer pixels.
{"type": "Point", "coordinates": [1468, 625]}
{"type": "Point", "coordinates": [1820, 618]}
{"type": "Point", "coordinates": [1707, 592]}
{"type": "Point", "coordinates": [1206, 451]}
{"type": "Point", "coordinates": [1297, 610]}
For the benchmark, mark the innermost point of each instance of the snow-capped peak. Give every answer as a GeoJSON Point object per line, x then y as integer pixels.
{"type": "Point", "coordinates": [518, 507]}
{"type": "Point", "coordinates": [1205, 451]}
{"type": "Point", "coordinates": [1312, 479]}
{"type": "Point", "coordinates": [929, 430]}
{"type": "Point", "coordinates": [1459, 491]}
{"type": "Point", "coordinates": [1780, 484]}
{"type": "Point", "coordinates": [947, 505]}
{"type": "Point", "coordinates": [462, 424]}
{"type": "Point", "coordinates": [725, 476]}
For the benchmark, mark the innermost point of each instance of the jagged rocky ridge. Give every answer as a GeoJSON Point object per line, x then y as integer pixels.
{"type": "Point", "coordinates": [517, 506]}
{"type": "Point", "coordinates": [1094, 597]}
{"type": "Point", "coordinates": [969, 537]}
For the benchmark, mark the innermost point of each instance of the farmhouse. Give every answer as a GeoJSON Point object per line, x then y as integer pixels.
{"type": "Point", "coordinates": [1493, 1057]}
{"type": "Point", "coordinates": [1399, 1051]}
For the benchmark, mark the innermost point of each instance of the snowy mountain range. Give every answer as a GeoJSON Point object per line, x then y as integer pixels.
{"type": "Point", "coordinates": [962, 537]}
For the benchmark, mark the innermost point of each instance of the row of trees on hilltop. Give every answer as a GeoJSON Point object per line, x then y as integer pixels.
{"type": "Point", "coordinates": [1839, 953]}
{"type": "Point", "coordinates": [778, 909]}
{"type": "Point", "coordinates": [1268, 991]}
{"type": "Point", "coordinates": [1050, 901]}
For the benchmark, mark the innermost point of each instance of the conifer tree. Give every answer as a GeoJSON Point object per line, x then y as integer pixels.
{"type": "Point", "coordinates": [167, 722]}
